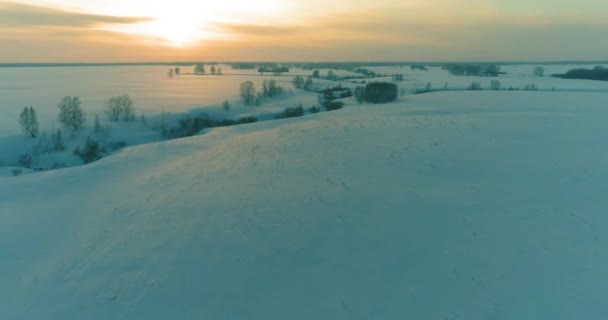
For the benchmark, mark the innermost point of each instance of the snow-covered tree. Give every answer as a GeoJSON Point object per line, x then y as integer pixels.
{"type": "Point", "coordinates": [70, 113]}
{"type": "Point", "coordinates": [360, 94]}
{"type": "Point", "coordinates": [495, 85]}
{"type": "Point", "coordinates": [247, 93]}
{"type": "Point", "coordinates": [120, 108]}
{"type": "Point", "coordinates": [298, 82]}
{"type": "Point", "coordinates": [29, 121]}
{"type": "Point", "coordinates": [199, 69]}
{"type": "Point", "coordinates": [57, 140]}
{"type": "Point", "coordinates": [308, 83]}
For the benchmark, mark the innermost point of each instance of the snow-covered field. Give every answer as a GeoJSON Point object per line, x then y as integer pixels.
{"type": "Point", "coordinates": [149, 86]}
{"type": "Point", "coordinates": [450, 205]}
{"type": "Point", "coordinates": [517, 76]}
{"type": "Point", "coordinates": [154, 93]}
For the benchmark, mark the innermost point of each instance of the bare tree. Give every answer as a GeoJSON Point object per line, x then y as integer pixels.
{"type": "Point", "coordinates": [539, 71]}
{"type": "Point", "coordinates": [120, 108]}
{"type": "Point", "coordinates": [70, 113]}
{"type": "Point", "coordinates": [495, 85]}
{"type": "Point", "coordinates": [247, 92]}
{"type": "Point", "coordinates": [29, 121]}
{"type": "Point", "coordinates": [199, 69]}
{"type": "Point", "coordinates": [298, 82]}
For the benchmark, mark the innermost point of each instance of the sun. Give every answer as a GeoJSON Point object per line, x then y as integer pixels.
{"type": "Point", "coordinates": [183, 23]}
{"type": "Point", "coordinates": [167, 31]}
{"type": "Point", "coordinates": [175, 31]}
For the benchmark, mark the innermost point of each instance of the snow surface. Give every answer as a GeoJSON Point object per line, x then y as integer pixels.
{"type": "Point", "coordinates": [153, 92]}
{"type": "Point", "coordinates": [453, 205]}
{"type": "Point", "coordinates": [150, 88]}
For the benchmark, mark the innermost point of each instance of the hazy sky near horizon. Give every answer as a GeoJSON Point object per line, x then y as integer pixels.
{"type": "Point", "coordinates": [302, 30]}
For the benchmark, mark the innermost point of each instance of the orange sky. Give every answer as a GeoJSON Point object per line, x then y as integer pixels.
{"type": "Point", "coordinates": [298, 30]}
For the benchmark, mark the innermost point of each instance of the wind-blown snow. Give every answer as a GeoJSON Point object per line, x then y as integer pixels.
{"type": "Point", "coordinates": [457, 205]}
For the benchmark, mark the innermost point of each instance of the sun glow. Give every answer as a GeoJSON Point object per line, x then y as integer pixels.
{"type": "Point", "coordinates": [171, 32]}
{"type": "Point", "coordinates": [182, 23]}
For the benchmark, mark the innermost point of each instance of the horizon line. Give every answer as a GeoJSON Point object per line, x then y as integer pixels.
{"type": "Point", "coordinates": [177, 63]}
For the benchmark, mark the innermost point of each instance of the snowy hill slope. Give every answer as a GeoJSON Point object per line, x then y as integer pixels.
{"type": "Point", "coordinates": [456, 205]}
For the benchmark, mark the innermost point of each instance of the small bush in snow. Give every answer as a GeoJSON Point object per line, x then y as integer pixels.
{"type": "Point", "coordinates": [70, 113]}
{"type": "Point", "coordinates": [25, 160]}
{"type": "Point", "coordinates": [314, 109]}
{"type": "Point", "coordinates": [298, 82]}
{"type": "Point", "coordinates": [90, 151]}
{"type": "Point", "coordinates": [162, 124]}
{"type": "Point", "coordinates": [329, 94]}
{"type": "Point", "coordinates": [495, 85]}
{"type": "Point", "coordinates": [101, 130]}
{"type": "Point", "coordinates": [191, 125]}
{"type": "Point", "coordinates": [245, 120]}
{"type": "Point", "coordinates": [115, 145]}
{"type": "Point", "coordinates": [530, 87]}
{"type": "Point", "coordinates": [308, 84]}
{"type": "Point", "coordinates": [199, 69]}
{"type": "Point", "coordinates": [226, 105]}
{"type": "Point", "coordinates": [474, 86]}
{"type": "Point", "coordinates": [57, 140]}
{"type": "Point", "coordinates": [17, 172]}
{"type": "Point", "coordinates": [380, 92]}
{"type": "Point", "coordinates": [360, 94]}
{"type": "Point", "coordinates": [259, 99]}
{"type": "Point", "coordinates": [29, 121]}
{"type": "Point", "coordinates": [291, 113]}
{"type": "Point", "coordinates": [334, 105]}
{"type": "Point", "coordinates": [58, 165]}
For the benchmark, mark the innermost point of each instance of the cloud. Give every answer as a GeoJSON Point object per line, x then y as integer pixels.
{"type": "Point", "coordinates": [257, 30]}
{"type": "Point", "coordinates": [22, 15]}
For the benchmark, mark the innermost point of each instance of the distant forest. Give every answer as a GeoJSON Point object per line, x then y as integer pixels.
{"type": "Point", "coordinates": [597, 73]}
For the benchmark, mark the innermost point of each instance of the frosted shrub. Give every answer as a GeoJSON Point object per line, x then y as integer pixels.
{"type": "Point", "coordinates": [474, 86]}
{"type": "Point", "coordinates": [90, 151]}
{"type": "Point", "coordinates": [247, 93]}
{"type": "Point", "coordinates": [291, 112]}
{"type": "Point", "coordinates": [120, 108]}
{"type": "Point", "coordinates": [70, 113]}
{"type": "Point", "coordinates": [495, 85]}
{"type": "Point", "coordinates": [226, 105]}
{"type": "Point", "coordinates": [334, 105]}
{"type": "Point", "coordinates": [381, 92]}
{"type": "Point", "coordinates": [29, 121]}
